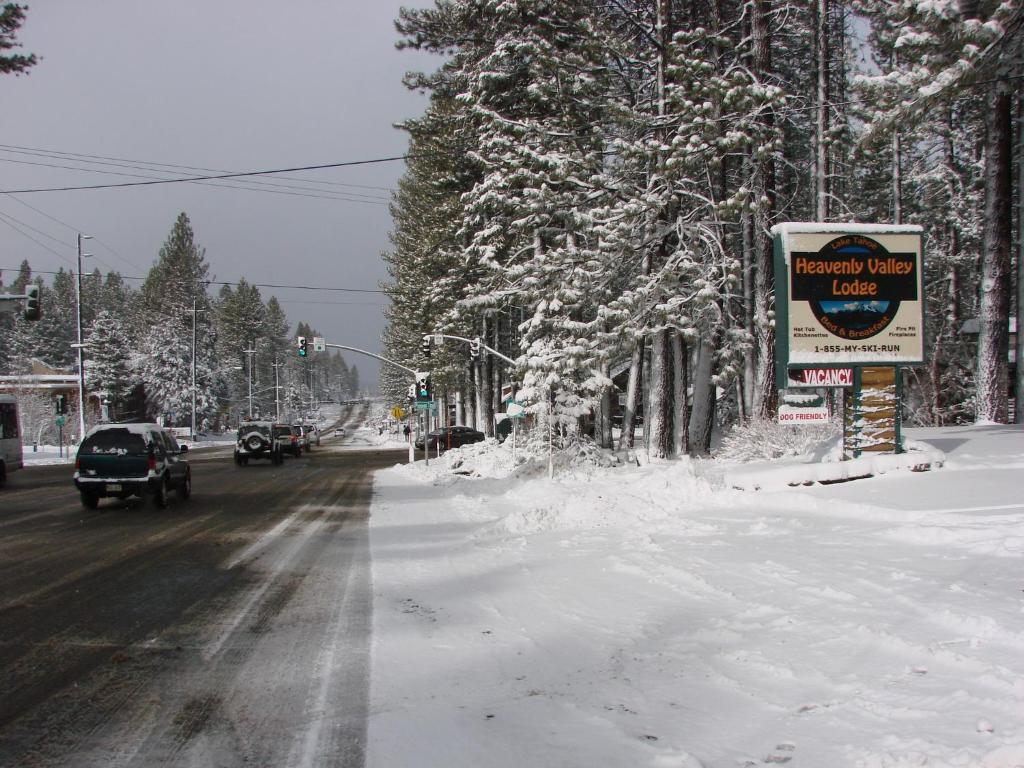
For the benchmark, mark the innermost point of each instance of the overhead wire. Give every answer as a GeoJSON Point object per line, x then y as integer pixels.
{"type": "Point", "coordinates": [232, 283]}
{"type": "Point", "coordinates": [203, 178]}
{"type": "Point", "coordinates": [148, 163]}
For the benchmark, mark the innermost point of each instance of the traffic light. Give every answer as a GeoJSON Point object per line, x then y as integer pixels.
{"type": "Point", "coordinates": [425, 346]}
{"type": "Point", "coordinates": [303, 349]}
{"type": "Point", "coordinates": [423, 390]}
{"type": "Point", "coordinates": [474, 347]}
{"type": "Point", "coordinates": [32, 310]}
{"type": "Point", "coordinates": [60, 404]}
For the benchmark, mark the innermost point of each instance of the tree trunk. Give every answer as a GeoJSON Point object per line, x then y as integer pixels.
{"type": "Point", "coordinates": [749, 370]}
{"type": "Point", "coordinates": [1018, 385]}
{"type": "Point", "coordinates": [765, 396]}
{"type": "Point", "coordinates": [657, 425]}
{"type": "Point", "coordinates": [629, 410]}
{"type": "Point", "coordinates": [821, 107]}
{"type": "Point", "coordinates": [486, 386]}
{"type": "Point", "coordinates": [604, 423]}
{"type": "Point", "coordinates": [994, 312]}
{"type": "Point", "coordinates": [703, 417]}
{"type": "Point", "coordinates": [680, 384]}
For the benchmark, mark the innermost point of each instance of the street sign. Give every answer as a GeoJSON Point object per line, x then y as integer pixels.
{"type": "Point", "coordinates": [319, 344]}
{"type": "Point", "coordinates": [398, 413]}
{"type": "Point", "coordinates": [431, 406]}
{"type": "Point", "coordinates": [515, 410]}
{"type": "Point", "coordinates": [61, 420]}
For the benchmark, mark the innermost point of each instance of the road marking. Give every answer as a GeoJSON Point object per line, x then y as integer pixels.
{"type": "Point", "coordinates": [289, 555]}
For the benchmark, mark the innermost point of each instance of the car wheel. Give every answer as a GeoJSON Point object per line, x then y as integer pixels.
{"type": "Point", "coordinates": [185, 489]}
{"type": "Point", "coordinates": [90, 500]}
{"type": "Point", "coordinates": [160, 495]}
{"type": "Point", "coordinates": [277, 458]}
{"type": "Point", "coordinates": [239, 461]}
{"type": "Point", "coordinates": [3, 476]}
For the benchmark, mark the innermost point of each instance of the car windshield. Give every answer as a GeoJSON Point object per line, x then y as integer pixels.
{"type": "Point", "coordinates": [117, 442]}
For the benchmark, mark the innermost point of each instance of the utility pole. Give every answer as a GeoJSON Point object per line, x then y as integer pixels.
{"type": "Point", "coordinates": [249, 353]}
{"type": "Point", "coordinates": [195, 313]}
{"type": "Point", "coordinates": [277, 390]}
{"type": "Point", "coordinates": [81, 351]}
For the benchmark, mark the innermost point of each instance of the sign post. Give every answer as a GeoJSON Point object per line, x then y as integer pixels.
{"type": "Point", "coordinates": [849, 301]}
{"type": "Point", "coordinates": [61, 421]}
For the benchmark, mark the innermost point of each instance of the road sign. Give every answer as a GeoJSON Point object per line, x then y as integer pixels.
{"type": "Point", "coordinates": [515, 410]}
{"type": "Point", "coordinates": [319, 344]}
{"type": "Point", "coordinates": [431, 406]}
{"type": "Point", "coordinates": [398, 413]}
{"type": "Point", "coordinates": [61, 420]}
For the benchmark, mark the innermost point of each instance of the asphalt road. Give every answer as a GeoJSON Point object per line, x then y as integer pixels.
{"type": "Point", "coordinates": [229, 630]}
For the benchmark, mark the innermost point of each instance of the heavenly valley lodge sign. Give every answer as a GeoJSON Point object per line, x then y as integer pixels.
{"type": "Point", "coordinates": [848, 294]}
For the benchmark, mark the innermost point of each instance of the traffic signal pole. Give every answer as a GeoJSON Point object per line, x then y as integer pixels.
{"type": "Point", "coordinates": [471, 342]}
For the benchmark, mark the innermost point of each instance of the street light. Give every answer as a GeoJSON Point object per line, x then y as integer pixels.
{"type": "Point", "coordinates": [81, 353]}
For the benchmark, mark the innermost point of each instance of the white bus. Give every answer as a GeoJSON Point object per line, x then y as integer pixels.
{"type": "Point", "coordinates": [10, 437]}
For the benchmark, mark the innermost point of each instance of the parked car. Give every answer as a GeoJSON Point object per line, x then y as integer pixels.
{"type": "Point", "coordinates": [122, 460]}
{"type": "Point", "coordinates": [339, 432]}
{"type": "Point", "coordinates": [451, 437]}
{"type": "Point", "coordinates": [262, 440]}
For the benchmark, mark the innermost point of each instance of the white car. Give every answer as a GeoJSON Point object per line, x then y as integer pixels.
{"type": "Point", "coordinates": [339, 432]}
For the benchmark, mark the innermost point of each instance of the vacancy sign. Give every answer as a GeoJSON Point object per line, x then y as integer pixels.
{"type": "Point", "coordinates": [819, 377]}
{"type": "Point", "coordinates": [849, 294]}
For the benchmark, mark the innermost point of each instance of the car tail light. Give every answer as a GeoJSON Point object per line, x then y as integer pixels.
{"type": "Point", "coordinates": [152, 462]}
{"type": "Point", "coordinates": [78, 463]}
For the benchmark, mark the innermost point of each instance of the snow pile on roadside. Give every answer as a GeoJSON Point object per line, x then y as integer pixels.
{"type": "Point", "coordinates": [652, 616]}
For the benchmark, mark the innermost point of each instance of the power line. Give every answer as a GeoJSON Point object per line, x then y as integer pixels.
{"type": "Point", "coordinates": [224, 282]}
{"type": "Point", "coordinates": [214, 177]}
{"type": "Point", "coordinates": [59, 154]}
{"type": "Point", "coordinates": [263, 186]}
{"type": "Point", "coordinates": [314, 193]}
{"type": "Point", "coordinates": [75, 229]}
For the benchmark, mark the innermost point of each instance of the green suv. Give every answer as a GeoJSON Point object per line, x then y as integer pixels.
{"type": "Point", "coordinates": [122, 460]}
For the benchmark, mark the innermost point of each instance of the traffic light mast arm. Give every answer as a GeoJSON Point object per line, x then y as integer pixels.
{"type": "Point", "coordinates": [371, 354]}
{"type": "Point", "coordinates": [494, 352]}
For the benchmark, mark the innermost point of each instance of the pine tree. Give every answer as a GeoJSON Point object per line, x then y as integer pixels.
{"type": "Point", "coordinates": [175, 288]}
{"type": "Point", "coordinates": [108, 368]}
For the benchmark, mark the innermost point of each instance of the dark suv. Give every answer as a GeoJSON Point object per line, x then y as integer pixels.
{"type": "Point", "coordinates": [262, 440]}
{"type": "Point", "coordinates": [122, 460]}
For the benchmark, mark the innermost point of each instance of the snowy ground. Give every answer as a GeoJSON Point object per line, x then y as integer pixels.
{"type": "Point", "coordinates": [658, 616]}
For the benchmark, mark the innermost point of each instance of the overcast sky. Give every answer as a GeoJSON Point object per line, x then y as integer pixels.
{"type": "Point", "coordinates": [231, 85]}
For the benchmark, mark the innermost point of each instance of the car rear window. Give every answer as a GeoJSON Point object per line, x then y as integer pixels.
{"type": "Point", "coordinates": [117, 442]}
{"type": "Point", "coordinates": [282, 432]}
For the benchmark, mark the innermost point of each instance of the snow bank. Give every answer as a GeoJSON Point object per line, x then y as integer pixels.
{"type": "Point", "coordinates": [655, 615]}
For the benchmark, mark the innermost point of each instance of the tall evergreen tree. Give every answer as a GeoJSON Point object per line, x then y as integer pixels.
{"type": "Point", "coordinates": [108, 369]}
